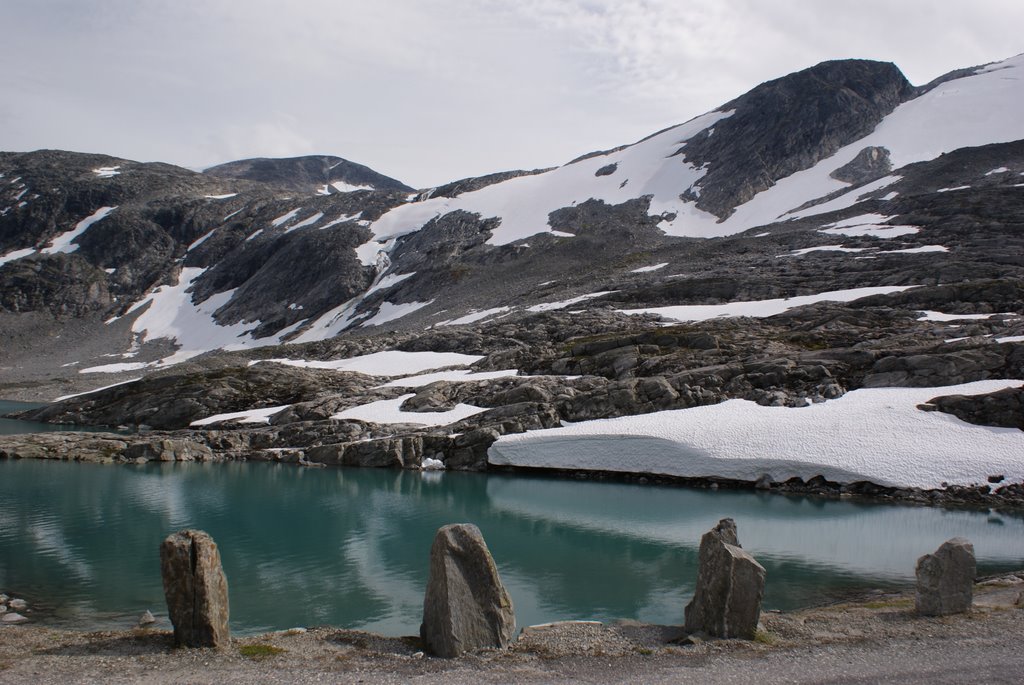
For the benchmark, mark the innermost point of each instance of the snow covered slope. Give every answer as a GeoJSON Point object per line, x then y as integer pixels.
{"type": "Point", "coordinates": [975, 110]}
{"type": "Point", "coordinates": [875, 435]}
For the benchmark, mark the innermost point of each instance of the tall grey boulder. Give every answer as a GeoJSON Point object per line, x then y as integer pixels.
{"type": "Point", "coordinates": [466, 607]}
{"type": "Point", "coordinates": [945, 579]}
{"type": "Point", "coordinates": [730, 587]}
{"type": "Point", "coordinates": [196, 589]}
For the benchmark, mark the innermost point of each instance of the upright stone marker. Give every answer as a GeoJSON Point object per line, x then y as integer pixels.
{"type": "Point", "coordinates": [945, 580]}
{"type": "Point", "coordinates": [466, 607]}
{"type": "Point", "coordinates": [730, 587]}
{"type": "Point", "coordinates": [196, 589]}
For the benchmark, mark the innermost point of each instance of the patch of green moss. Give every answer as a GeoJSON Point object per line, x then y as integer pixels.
{"type": "Point", "coordinates": [260, 651]}
{"type": "Point", "coordinates": [763, 637]}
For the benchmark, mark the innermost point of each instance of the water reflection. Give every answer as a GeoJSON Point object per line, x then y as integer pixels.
{"type": "Point", "coordinates": [350, 547]}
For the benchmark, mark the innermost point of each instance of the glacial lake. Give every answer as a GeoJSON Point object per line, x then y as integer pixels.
{"type": "Point", "coordinates": [350, 547]}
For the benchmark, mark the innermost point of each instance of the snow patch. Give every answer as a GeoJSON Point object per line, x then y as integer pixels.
{"type": "Point", "coordinates": [117, 368]}
{"type": "Point", "coordinates": [458, 376]}
{"type": "Point", "coordinates": [343, 187]}
{"type": "Point", "coordinates": [874, 225]}
{"type": "Point", "coordinates": [389, 411]}
{"type": "Point", "coordinates": [106, 171]}
{"type": "Point", "coordinates": [1000, 170]}
{"type": "Point", "coordinates": [874, 434]}
{"type": "Point", "coordinates": [474, 317]}
{"type": "Point", "coordinates": [249, 416]}
{"type": "Point", "coordinates": [89, 392]}
{"type": "Point", "coordinates": [389, 311]}
{"type": "Point", "coordinates": [387, 363]}
{"type": "Point", "coordinates": [824, 248]}
{"type": "Point", "coordinates": [306, 222]}
{"type": "Point", "coordinates": [562, 304]}
{"type": "Point", "coordinates": [17, 254]}
{"type": "Point", "coordinates": [285, 218]}
{"type": "Point", "coordinates": [646, 269]}
{"type": "Point", "coordinates": [62, 243]}
{"type": "Point", "coordinates": [923, 249]}
{"type": "Point", "coordinates": [761, 308]}
{"type": "Point", "coordinates": [931, 315]}
{"type": "Point", "coordinates": [220, 197]}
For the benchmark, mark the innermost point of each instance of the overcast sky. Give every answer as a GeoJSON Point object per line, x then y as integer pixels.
{"type": "Point", "coordinates": [430, 91]}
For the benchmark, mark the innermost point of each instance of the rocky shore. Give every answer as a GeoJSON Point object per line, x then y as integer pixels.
{"type": "Point", "coordinates": [873, 638]}
{"type": "Point", "coordinates": [195, 446]}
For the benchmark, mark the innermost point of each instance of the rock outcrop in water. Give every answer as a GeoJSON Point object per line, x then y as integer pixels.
{"type": "Point", "coordinates": [730, 586]}
{"type": "Point", "coordinates": [196, 589]}
{"type": "Point", "coordinates": [466, 607]}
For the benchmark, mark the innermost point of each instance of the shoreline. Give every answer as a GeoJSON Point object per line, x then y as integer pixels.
{"type": "Point", "coordinates": [111, 448]}
{"type": "Point", "coordinates": [826, 643]}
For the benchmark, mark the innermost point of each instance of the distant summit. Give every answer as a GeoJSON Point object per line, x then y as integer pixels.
{"type": "Point", "coordinates": [320, 173]}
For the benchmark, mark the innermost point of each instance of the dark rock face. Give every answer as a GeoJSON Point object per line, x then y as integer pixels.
{"type": "Point", "coordinates": [466, 608]}
{"type": "Point", "coordinates": [468, 185]}
{"type": "Point", "coordinates": [62, 284]}
{"type": "Point", "coordinates": [870, 163]}
{"type": "Point", "coordinates": [1001, 408]}
{"type": "Point", "coordinates": [788, 124]}
{"type": "Point", "coordinates": [305, 173]}
{"type": "Point", "coordinates": [730, 585]}
{"type": "Point", "coordinates": [945, 579]}
{"type": "Point", "coordinates": [196, 590]}
{"type": "Point", "coordinates": [175, 399]}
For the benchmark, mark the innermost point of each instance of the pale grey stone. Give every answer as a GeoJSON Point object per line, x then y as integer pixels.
{"type": "Point", "coordinates": [945, 579]}
{"type": "Point", "coordinates": [466, 607]}
{"type": "Point", "coordinates": [730, 586]}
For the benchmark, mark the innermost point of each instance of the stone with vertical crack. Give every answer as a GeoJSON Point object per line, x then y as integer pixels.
{"type": "Point", "coordinates": [730, 586]}
{"type": "Point", "coordinates": [196, 589]}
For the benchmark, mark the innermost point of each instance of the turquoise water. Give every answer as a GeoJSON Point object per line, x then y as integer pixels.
{"type": "Point", "coordinates": [350, 547]}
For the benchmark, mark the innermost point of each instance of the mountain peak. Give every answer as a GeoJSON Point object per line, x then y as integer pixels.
{"type": "Point", "coordinates": [326, 173]}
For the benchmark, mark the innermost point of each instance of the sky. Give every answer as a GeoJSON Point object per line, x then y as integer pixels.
{"type": "Point", "coordinates": [429, 91]}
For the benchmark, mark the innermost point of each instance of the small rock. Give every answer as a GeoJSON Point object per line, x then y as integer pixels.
{"type": "Point", "coordinates": [3, 598]}
{"type": "Point", "coordinates": [3, 608]}
{"type": "Point", "coordinates": [466, 607]}
{"type": "Point", "coordinates": [147, 618]}
{"type": "Point", "coordinates": [945, 579]}
{"type": "Point", "coordinates": [730, 586]}
{"type": "Point", "coordinates": [764, 482]}
{"type": "Point", "coordinates": [996, 479]}
{"type": "Point", "coordinates": [17, 604]}
{"type": "Point", "coordinates": [13, 618]}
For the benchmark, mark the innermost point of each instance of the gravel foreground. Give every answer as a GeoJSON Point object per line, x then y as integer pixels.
{"type": "Point", "coordinates": [877, 639]}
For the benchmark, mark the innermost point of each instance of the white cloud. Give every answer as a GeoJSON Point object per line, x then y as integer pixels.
{"type": "Point", "coordinates": [432, 90]}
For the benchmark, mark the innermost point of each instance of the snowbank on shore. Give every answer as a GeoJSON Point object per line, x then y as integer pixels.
{"type": "Point", "coordinates": [873, 434]}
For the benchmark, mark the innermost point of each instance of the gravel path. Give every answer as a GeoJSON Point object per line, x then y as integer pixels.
{"type": "Point", "coordinates": [876, 640]}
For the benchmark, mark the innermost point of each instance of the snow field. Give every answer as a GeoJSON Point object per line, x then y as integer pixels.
{"type": "Point", "coordinates": [872, 434]}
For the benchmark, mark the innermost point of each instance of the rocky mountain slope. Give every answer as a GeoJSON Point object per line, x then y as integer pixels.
{"type": "Point", "coordinates": [833, 230]}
